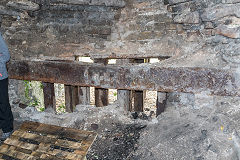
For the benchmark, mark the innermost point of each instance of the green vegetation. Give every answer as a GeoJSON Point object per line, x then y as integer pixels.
{"type": "Point", "coordinates": [27, 86]}
{"type": "Point", "coordinates": [32, 94]}
{"type": "Point", "coordinates": [61, 108]}
{"type": "Point", "coordinates": [41, 109]}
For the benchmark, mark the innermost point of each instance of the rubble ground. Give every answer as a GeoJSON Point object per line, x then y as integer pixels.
{"type": "Point", "coordinates": [118, 132]}
{"type": "Point", "coordinates": [192, 127]}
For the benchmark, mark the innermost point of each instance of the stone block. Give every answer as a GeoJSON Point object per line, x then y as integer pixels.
{"type": "Point", "coordinates": [145, 35]}
{"type": "Point", "coordinates": [230, 1]}
{"type": "Point", "coordinates": [187, 18]}
{"type": "Point", "coordinates": [228, 32]}
{"type": "Point", "coordinates": [207, 32]}
{"type": "Point", "coordinates": [230, 21]}
{"type": "Point", "coordinates": [159, 34]}
{"type": "Point", "coordinates": [114, 3]}
{"type": "Point", "coordinates": [104, 31]}
{"type": "Point", "coordinates": [77, 2]}
{"type": "Point", "coordinates": [179, 29]}
{"type": "Point", "coordinates": [134, 27]}
{"type": "Point", "coordinates": [191, 27]}
{"type": "Point", "coordinates": [178, 8]}
{"type": "Point", "coordinates": [23, 5]}
{"type": "Point", "coordinates": [193, 36]}
{"type": "Point", "coordinates": [170, 32]}
{"type": "Point", "coordinates": [106, 15]}
{"type": "Point", "coordinates": [208, 25]}
{"type": "Point", "coordinates": [98, 30]}
{"type": "Point", "coordinates": [146, 28]}
{"type": "Point", "coordinates": [159, 26]}
{"type": "Point", "coordinates": [163, 18]}
{"type": "Point", "coordinates": [100, 22]}
{"type": "Point", "coordinates": [64, 7]}
{"type": "Point", "coordinates": [172, 2]}
{"type": "Point", "coordinates": [171, 26]}
{"type": "Point", "coordinates": [10, 12]}
{"type": "Point", "coordinates": [97, 9]}
{"type": "Point", "coordinates": [219, 11]}
{"type": "Point", "coordinates": [42, 2]}
{"type": "Point", "coordinates": [144, 19]}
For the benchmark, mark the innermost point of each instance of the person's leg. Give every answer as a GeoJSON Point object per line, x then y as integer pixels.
{"type": "Point", "coordinates": [6, 117]}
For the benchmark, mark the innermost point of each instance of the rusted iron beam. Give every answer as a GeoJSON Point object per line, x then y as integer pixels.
{"type": "Point", "coordinates": [71, 97]}
{"type": "Point", "coordinates": [131, 77]}
{"type": "Point", "coordinates": [101, 97]}
{"type": "Point", "coordinates": [162, 98]}
{"type": "Point", "coordinates": [161, 102]}
{"type": "Point", "coordinates": [49, 95]}
{"type": "Point", "coordinates": [138, 101]}
{"type": "Point", "coordinates": [84, 95]}
{"type": "Point", "coordinates": [124, 97]}
{"type": "Point", "coordinates": [101, 94]}
{"type": "Point", "coordinates": [139, 96]}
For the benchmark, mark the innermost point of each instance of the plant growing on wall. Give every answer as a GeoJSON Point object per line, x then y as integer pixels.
{"type": "Point", "coordinates": [61, 108]}
{"type": "Point", "coordinates": [33, 95]}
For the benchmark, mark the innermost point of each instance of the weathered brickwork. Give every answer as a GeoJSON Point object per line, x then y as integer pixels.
{"type": "Point", "coordinates": [157, 27]}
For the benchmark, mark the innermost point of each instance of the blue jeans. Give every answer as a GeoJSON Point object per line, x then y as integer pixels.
{"type": "Point", "coordinates": [6, 116]}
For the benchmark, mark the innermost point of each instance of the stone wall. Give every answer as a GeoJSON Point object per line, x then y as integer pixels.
{"type": "Point", "coordinates": [206, 30]}
{"type": "Point", "coordinates": [66, 28]}
{"type": "Point", "coordinates": [56, 27]}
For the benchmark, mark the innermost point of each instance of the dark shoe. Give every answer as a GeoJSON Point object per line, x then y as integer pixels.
{"type": "Point", "coordinates": [6, 135]}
